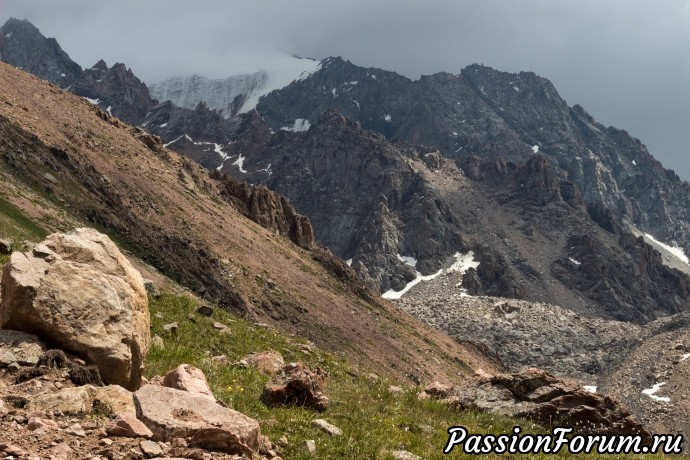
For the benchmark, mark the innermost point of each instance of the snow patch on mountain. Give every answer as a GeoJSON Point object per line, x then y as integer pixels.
{"type": "Point", "coordinates": [240, 163]}
{"type": "Point", "coordinates": [674, 250]}
{"type": "Point", "coordinates": [301, 124]}
{"type": "Point", "coordinates": [461, 264]}
{"type": "Point", "coordinates": [651, 392]}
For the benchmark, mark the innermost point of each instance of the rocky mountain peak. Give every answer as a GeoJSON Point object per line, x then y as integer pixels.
{"type": "Point", "coordinates": [116, 90]}
{"type": "Point", "coordinates": [22, 45]}
{"type": "Point", "coordinates": [100, 65]}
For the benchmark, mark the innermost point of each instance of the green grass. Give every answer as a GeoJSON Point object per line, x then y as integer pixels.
{"type": "Point", "coordinates": [371, 418]}
{"type": "Point", "coordinates": [16, 227]}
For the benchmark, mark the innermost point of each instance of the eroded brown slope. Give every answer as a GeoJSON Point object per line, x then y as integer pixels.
{"type": "Point", "coordinates": [63, 162]}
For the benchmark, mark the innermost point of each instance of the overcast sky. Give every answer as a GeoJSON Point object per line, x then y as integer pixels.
{"type": "Point", "coordinates": [626, 61]}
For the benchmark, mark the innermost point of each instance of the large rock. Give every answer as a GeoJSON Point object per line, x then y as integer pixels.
{"type": "Point", "coordinates": [299, 385]}
{"type": "Point", "coordinates": [171, 413]}
{"type": "Point", "coordinates": [79, 292]}
{"type": "Point", "coordinates": [20, 347]}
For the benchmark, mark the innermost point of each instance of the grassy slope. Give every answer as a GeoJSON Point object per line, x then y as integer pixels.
{"type": "Point", "coordinates": [372, 419]}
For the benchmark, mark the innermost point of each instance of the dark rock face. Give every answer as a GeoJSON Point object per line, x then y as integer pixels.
{"type": "Point", "coordinates": [201, 134]}
{"type": "Point", "coordinates": [22, 45]}
{"type": "Point", "coordinates": [117, 90]}
{"type": "Point", "coordinates": [371, 201]}
{"type": "Point", "coordinates": [359, 191]}
{"type": "Point", "coordinates": [500, 117]}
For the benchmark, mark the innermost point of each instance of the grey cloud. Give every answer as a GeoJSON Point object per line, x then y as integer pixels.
{"type": "Point", "coordinates": [625, 61]}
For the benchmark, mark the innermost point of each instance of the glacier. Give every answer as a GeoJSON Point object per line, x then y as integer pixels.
{"type": "Point", "coordinates": [235, 94]}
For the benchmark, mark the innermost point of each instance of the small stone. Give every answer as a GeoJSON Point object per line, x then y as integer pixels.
{"type": "Point", "coordinates": [221, 327]}
{"type": "Point", "coordinates": [171, 327]}
{"type": "Point", "coordinates": [205, 310]}
{"type": "Point", "coordinates": [332, 430]}
{"type": "Point", "coordinates": [283, 441]}
{"type": "Point", "coordinates": [75, 430]}
{"type": "Point", "coordinates": [437, 389]}
{"type": "Point", "coordinates": [106, 441]}
{"type": "Point", "coordinates": [482, 374]}
{"type": "Point", "coordinates": [395, 390]}
{"type": "Point", "coordinates": [150, 449]}
{"type": "Point", "coordinates": [221, 359]}
{"type": "Point", "coordinates": [13, 366]}
{"type": "Point", "coordinates": [403, 455]}
{"type": "Point", "coordinates": [50, 178]}
{"type": "Point", "coordinates": [15, 451]}
{"type": "Point", "coordinates": [157, 342]}
{"type": "Point", "coordinates": [127, 425]}
{"type": "Point", "coordinates": [151, 288]}
{"type": "Point", "coordinates": [267, 362]}
{"type": "Point", "coordinates": [309, 446]}
{"type": "Point", "coordinates": [36, 423]}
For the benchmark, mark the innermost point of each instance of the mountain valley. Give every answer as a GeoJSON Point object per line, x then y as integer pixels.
{"type": "Point", "coordinates": [423, 229]}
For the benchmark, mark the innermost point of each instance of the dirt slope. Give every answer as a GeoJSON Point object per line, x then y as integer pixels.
{"type": "Point", "coordinates": [65, 163]}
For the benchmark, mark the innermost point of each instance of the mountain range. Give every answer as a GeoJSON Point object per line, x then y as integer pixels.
{"type": "Point", "coordinates": [483, 183]}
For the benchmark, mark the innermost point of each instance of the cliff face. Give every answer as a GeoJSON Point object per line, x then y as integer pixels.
{"type": "Point", "coordinates": [116, 90]}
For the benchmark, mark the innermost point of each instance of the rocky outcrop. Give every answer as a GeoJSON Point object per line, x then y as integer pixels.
{"type": "Point", "coordinates": [268, 209]}
{"type": "Point", "coordinates": [79, 292]}
{"type": "Point", "coordinates": [334, 175]}
{"type": "Point", "coordinates": [539, 396]}
{"type": "Point", "coordinates": [296, 384]}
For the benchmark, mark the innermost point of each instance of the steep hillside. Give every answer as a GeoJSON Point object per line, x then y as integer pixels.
{"type": "Point", "coordinates": [64, 162]}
